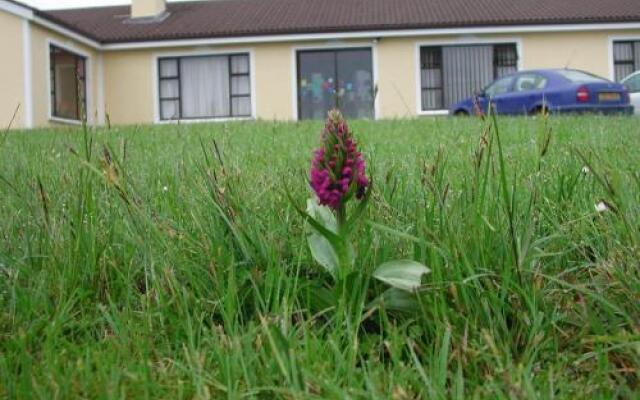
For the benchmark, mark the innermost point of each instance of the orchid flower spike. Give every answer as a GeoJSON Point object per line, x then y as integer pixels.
{"type": "Point", "coordinates": [338, 169]}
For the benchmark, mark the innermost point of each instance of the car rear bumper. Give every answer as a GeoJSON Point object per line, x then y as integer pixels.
{"type": "Point", "coordinates": [600, 109]}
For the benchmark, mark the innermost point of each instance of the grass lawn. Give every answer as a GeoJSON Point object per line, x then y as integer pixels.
{"type": "Point", "coordinates": [149, 262]}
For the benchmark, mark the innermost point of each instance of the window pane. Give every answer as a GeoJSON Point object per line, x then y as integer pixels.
{"type": "Point", "coordinates": [169, 68]}
{"type": "Point", "coordinates": [240, 64]}
{"type": "Point", "coordinates": [316, 85]}
{"type": "Point", "coordinates": [67, 81]}
{"type": "Point", "coordinates": [431, 57]}
{"type": "Point", "coordinates": [241, 106]}
{"type": "Point", "coordinates": [466, 69]}
{"type": "Point", "coordinates": [80, 68]}
{"type": "Point", "coordinates": [623, 51]}
{"type": "Point", "coordinates": [431, 78]}
{"type": "Point", "coordinates": [626, 57]}
{"type": "Point", "coordinates": [505, 59]}
{"type": "Point", "coordinates": [622, 71]}
{"type": "Point", "coordinates": [504, 71]}
{"type": "Point", "coordinates": [355, 83]}
{"type": "Point", "coordinates": [432, 99]}
{"type": "Point", "coordinates": [240, 85]}
{"type": "Point", "coordinates": [205, 87]}
{"type": "Point", "coordinates": [169, 88]}
{"type": "Point", "coordinates": [169, 109]}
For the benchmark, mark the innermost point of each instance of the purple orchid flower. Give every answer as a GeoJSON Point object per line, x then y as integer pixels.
{"type": "Point", "coordinates": [338, 169]}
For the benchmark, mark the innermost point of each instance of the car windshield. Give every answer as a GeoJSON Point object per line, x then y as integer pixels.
{"type": "Point", "coordinates": [580, 77]}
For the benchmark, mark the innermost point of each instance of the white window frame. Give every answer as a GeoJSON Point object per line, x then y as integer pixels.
{"type": "Point", "coordinates": [612, 40]}
{"type": "Point", "coordinates": [333, 45]}
{"type": "Point", "coordinates": [88, 84]}
{"type": "Point", "coordinates": [204, 52]}
{"type": "Point", "coordinates": [469, 41]}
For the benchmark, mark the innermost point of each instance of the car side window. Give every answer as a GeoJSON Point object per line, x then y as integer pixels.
{"type": "Point", "coordinates": [528, 82]}
{"type": "Point", "coordinates": [633, 84]}
{"type": "Point", "coordinates": [501, 86]}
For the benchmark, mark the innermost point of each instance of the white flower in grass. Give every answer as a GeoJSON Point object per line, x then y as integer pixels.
{"type": "Point", "coordinates": [585, 170]}
{"type": "Point", "coordinates": [602, 207]}
{"type": "Point", "coordinates": [165, 189]}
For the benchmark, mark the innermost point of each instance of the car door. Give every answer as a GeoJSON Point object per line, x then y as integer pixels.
{"type": "Point", "coordinates": [633, 85]}
{"type": "Point", "coordinates": [528, 92]}
{"type": "Point", "coordinates": [499, 93]}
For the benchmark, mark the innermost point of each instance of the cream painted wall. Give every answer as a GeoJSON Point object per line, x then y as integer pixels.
{"type": "Point", "coordinates": [398, 64]}
{"type": "Point", "coordinates": [588, 51]}
{"type": "Point", "coordinates": [11, 71]}
{"type": "Point", "coordinates": [40, 38]}
{"type": "Point", "coordinates": [129, 86]}
{"type": "Point", "coordinates": [130, 81]}
{"type": "Point", "coordinates": [274, 81]}
{"type": "Point", "coordinates": [397, 80]}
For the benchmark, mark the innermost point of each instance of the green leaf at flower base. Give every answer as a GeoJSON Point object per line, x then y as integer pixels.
{"type": "Point", "coordinates": [400, 301]}
{"type": "Point", "coordinates": [401, 274]}
{"type": "Point", "coordinates": [321, 249]}
{"type": "Point", "coordinates": [322, 214]}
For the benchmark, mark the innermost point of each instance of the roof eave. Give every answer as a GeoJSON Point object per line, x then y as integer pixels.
{"type": "Point", "coordinates": [378, 33]}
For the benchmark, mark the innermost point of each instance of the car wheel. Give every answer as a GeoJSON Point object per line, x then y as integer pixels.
{"type": "Point", "coordinates": [461, 113]}
{"type": "Point", "coordinates": [540, 110]}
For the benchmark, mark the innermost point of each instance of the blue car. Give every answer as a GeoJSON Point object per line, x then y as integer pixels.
{"type": "Point", "coordinates": [552, 90]}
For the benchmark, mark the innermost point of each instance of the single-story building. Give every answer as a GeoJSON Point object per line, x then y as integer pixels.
{"type": "Point", "coordinates": [153, 62]}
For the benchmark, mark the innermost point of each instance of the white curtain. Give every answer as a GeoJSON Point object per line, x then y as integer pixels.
{"type": "Point", "coordinates": [205, 87]}
{"type": "Point", "coordinates": [466, 69]}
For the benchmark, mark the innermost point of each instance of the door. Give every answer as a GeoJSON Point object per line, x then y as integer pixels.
{"type": "Point", "coordinates": [499, 94]}
{"type": "Point", "coordinates": [528, 93]}
{"type": "Point", "coordinates": [341, 78]}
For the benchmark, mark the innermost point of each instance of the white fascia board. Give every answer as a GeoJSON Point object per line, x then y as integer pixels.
{"type": "Point", "coordinates": [15, 9]}
{"type": "Point", "coordinates": [67, 32]}
{"type": "Point", "coordinates": [28, 14]}
{"type": "Point", "coordinates": [371, 35]}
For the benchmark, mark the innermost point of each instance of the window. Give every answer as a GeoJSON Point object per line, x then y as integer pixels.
{"type": "Point", "coordinates": [580, 76]}
{"type": "Point", "coordinates": [452, 73]}
{"type": "Point", "coordinates": [501, 86]}
{"type": "Point", "coordinates": [68, 87]}
{"type": "Point", "coordinates": [633, 84]}
{"type": "Point", "coordinates": [341, 78]}
{"type": "Point", "coordinates": [199, 87]}
{"type": "Point", "coordinates": [505, 60]}
{"type": "Point", "coordinates": [526, 82]}
{"type": "Point", "coordinates": [626, 58]}
{"type": "Point", "coordinates": [431, 69]}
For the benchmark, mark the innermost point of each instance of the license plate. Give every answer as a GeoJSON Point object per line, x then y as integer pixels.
{"type": "Point", "coordinates": [609, 97]}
